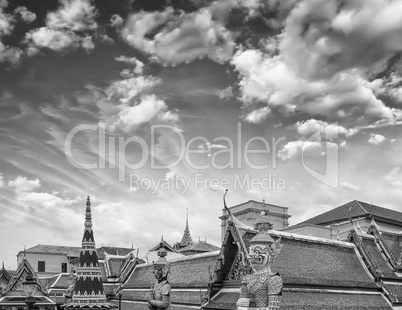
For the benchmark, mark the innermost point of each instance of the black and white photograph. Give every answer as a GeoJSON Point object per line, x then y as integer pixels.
{"type": "Point", "coordinates": [200, 154]}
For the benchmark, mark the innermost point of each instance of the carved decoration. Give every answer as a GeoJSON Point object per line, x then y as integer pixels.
{"type": "Point", "coordinates": [241, 268]}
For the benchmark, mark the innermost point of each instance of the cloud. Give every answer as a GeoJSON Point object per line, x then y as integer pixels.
{"type": "Point", "coordinates": [116, 21]}
{"type": "Point", "coordinates": [376, 139]}
{"type": "Point", "coordinates": [1, 180]}
{"type": "Point", "coordinates": [10, 54]}
{"type": "Point", "coordinates": [56, 40]}
{"type": "Point", "coordinates": [126, 90]}
{"type": "Point", "coordinates": [148, 108]}
{"type": "Point", "coordinates": [173, 38]}
{"type": "Point", "coordinates": [311, 126]}
{"type": "Point", "coordinates": [69, 27]}
{"type": "Point", "coordinates": [26, 15]}
{"type": "Point", "coordinates": [322, 66]}
{"type": "Point", "coordinates": [46, 200]}
{"type": "Point", "coordinates": [75, 15]}
{"type": "Point", "coordinates": [349, 186]}
{"type": "Point", "coordinates": [323, 38]}
{"type": "Point", "coordinates": [7, 21]}
{"type": "Point", "coordinates": [225, 93]}
{"type": "Point", "coordinates": [138, 65]}
{"type": "Point", "coordinates": [345, 96]}
{"type": "Point", "coordinates": [169, 117]}
{"type": "Point", "coordinates": [394, 177]}
{"type": "Point", "coordinates": [294, 148]}
{"type": "Point", "coordinates": [22, 184]}
{"type": "Point", "coordinates": [257, 116]}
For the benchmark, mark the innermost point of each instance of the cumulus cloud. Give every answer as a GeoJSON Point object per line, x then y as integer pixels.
{"type": "Point", "coordinates": [294, 148]}
{"type": "Point", "coordinates": [126, 90]}
{"type": "Point", "coordinates": [75, 15]}
{"type": "Point", "coordinates": [345, 96]}
{"type": "Point", "coordinates": [53, 39]}
{"type": "Point", "coordinates": [26, 15]}
{"type": "Point", "coordinates": [175, 38]}
{"type": "Point", "coordinates": [376, 139]}
{"type": "Point", "coordinates": [147, 109]}
{"type": "Point", "coordinates": [311, 126]}
{"type": "Point", "coordinates": [22, 184]}
{"type": "Point", "coordinates": [138, 65]}
{"type": "Point", "coordinates": [10, 54]}
{"type": "Point", "coordinates": [70, 26]}
{"type": "Point", "coordinates": [257, 116]}
{"type": "Point", "coordinates": [326, 62]}
{"type": "Point", "coordinates": [46, 200]}
{"type": "Point", "coordinates": [7, 21]}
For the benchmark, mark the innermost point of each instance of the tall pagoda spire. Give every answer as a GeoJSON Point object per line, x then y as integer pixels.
{"type": "Point", "coordinates": [88, 289]}
{"type": "Point", "coordinates": [186, 240]}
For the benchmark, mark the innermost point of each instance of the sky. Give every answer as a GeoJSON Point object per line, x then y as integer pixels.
{"type": "Point", "coordinates": [153, 108]}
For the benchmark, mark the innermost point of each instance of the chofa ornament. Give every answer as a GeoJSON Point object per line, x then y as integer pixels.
{"type": "Point", "coordinates": [262, 289]}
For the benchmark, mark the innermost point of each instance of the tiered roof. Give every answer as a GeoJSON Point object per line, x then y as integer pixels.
{"type": "Point", "coordinates": [199, 247]}
{"type": "Point", "coordinates": [5, 278]}
{"type": "Point", "coordinates": [319, 263]}
{"type": "Point", "coordinates": [88, 288]}
{"type": "Point", "coordinates": [14, 294]}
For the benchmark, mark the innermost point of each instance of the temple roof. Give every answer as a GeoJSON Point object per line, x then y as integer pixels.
{"type": "Point", "coordinates": [70, 251]}
{"type": "Point", "coordinates": [118, 251]}
{"type": "Point", "coordinates": [201, 246]}
{"type": "Point", "coordinates": [5, 276]}
{"type": "Point", "coordinates": [187, 271]}
{"type": "Point", "coordinates": [357, 209]}
{"type": "Point", "coordinates": [320, 264]}
{"type": "Point", "coordinates": [14, 295]}
{"type": "Point", "coordinates": [318, 299]}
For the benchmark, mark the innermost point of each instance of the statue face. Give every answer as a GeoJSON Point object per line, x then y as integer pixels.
{"type": "Point", "coordinates": [258, 257]}
{"type": "Point", "coordinates": [158, 272]}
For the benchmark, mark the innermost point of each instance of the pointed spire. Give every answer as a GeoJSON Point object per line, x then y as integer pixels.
{"type": "Point", "coordinates": [186, 240]}
{"type": "Point", "coordinates": [88, 288]}
{"type": "Point", "coordinates": [88, 215]}
{"type": "Point", "coordinates": [187, 221]}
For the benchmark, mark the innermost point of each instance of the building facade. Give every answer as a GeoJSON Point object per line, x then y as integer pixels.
{"type": "Point", "coordinates": [248, 213]}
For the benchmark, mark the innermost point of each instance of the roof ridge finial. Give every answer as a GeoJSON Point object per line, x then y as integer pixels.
{"type": "Point", "coordinates": [162, 238]}
{"type": "Point", "coordinates": [3, 265]}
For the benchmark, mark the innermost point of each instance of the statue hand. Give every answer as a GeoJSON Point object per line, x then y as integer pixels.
{"type": "Point", "coordinates": [243, 302]}
{"type": "Point", "coordinates": [150, 296]}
